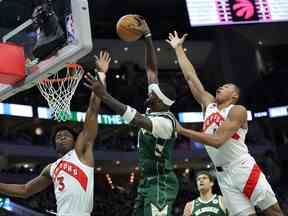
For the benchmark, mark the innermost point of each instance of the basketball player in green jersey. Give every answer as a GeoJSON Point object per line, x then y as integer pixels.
{"type": "Point", "coordinates": [158, 187]}
{"type": "Point", "coordinates": [207, 204]}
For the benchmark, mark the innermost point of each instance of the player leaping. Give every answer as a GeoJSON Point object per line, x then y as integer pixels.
{"type": "Point", "coordinates": [158, 187]}
{"type": "Point", "coordinates": [73, 173]}
{"type": "Point", "coordinates": [225, 126]}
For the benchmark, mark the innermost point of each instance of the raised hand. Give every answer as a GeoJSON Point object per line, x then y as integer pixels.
{"type": "Point", "coordinates": [175, 41]}
{"type": "Point", "coordinates": [103, 61]}
{"type": "Point", "coordinates": [142, 25]}
{"type": "Point", "coordinates": [95, 85]}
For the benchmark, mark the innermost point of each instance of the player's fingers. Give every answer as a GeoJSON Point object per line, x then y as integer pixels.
{"type": "Point", "coordinates": [101, 54]}
{"type": "Point", "coordinates": [89, 75]}
{"type": "Point", "coordinates": [109, 60]}
{"type": "Point", "coordinates": [96, 58]}
{"type": "Point", "coordinates": [138, 19]}
{"type": "Point", "coordinates": [171, 35]}
{"type": "Point", "coordinates": [168, 41]}
{"type": "Point", "coordinates": [104, 55]}
{"type": "Point", "coordinates": [184, 36]}
{"type": "Point", "coordinates": [175, 33]}
{"type": "Point", "coordinates": [107, 56]}
{"type": "Point", "coordinates": [89, 79]}
{"type": "Point", "coordinates": [87, 85]}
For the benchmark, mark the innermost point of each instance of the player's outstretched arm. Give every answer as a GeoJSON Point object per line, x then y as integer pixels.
{"type": "Point", "coordinates": [128, 112]}
{"type": "Point", "coordinates": [200, 94]}
{"type": "Point", "coordinates": [158, 126]}
{"type": "Point", "coordinates": [237, 118]}
{"type": "Point", "coordinates": [86, 139]}
{"type": "Point", "coordinates": [150, 53]}
{"type": "Point", "coordinates": [34, 186]}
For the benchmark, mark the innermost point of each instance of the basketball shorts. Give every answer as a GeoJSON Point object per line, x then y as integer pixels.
{"type": "Point", "coordinates": [156, 195]}
{"type": "Point", "coordinates": [244, 186]}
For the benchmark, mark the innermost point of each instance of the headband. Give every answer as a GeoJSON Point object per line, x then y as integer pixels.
{"type": "Point", "coordinates": [155, 88]}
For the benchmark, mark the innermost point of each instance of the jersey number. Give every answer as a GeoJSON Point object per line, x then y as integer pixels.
{"type": "Point", "coordinates": [159, 148]}
{"type": "Point", "coordinates": [61, 184]}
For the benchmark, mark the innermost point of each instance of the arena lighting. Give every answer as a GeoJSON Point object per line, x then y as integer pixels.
{"type": "Point", "coordinates": [278, 112]}
{"type": "Point", "coordinates": [38, 131]}
{"type": "Point", "coordinates": [184, 117]}
{"type": "Point", "coordinates": [132, 177]}
{"type": "Point", "coordinates": [260, 114]}
{"type": "Point", "coordinates": [16, 110]}
{"type": "Point", "coordinates": [208, 166]}
{"type": "Point", "coordinates": [2, 201]}
{"type": "Point", "coordinates": [196, 117]}
{"type": "Point", "coordinates": [211, 13]}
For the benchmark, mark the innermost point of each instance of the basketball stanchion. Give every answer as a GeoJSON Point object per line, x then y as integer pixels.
{"type": "Point", "coordinates": [58, 91]}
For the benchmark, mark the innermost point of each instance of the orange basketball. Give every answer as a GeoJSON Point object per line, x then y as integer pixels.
{"type": "Point", "coordinates": [123, 28]}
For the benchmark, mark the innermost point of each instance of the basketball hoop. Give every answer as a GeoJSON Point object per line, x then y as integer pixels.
{"type": "Point", "coordinates": [58, 91]}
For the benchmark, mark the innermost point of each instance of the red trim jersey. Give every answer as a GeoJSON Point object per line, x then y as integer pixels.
{"type": "Point", "coordinates": [73, 185]}
{"type": "Point", "coordinates": [233, 148]}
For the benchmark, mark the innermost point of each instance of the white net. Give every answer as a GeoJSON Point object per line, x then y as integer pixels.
{"type": "Point", "coordinates": [58, 91]}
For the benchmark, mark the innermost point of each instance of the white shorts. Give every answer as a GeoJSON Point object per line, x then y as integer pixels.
{"type": "Point", "coordinates": [244, 186]}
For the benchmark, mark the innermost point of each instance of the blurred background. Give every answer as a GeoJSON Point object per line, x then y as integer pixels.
{"type": "Point", "coordinates": [252, 52]}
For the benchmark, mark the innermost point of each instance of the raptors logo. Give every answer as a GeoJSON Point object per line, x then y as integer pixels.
{"type": "Point", "coordinates": [244, 9]}
{"type": "Point", "coordinates": [217, 118]}
{"type": "Point", "coordinates": [73, 171]}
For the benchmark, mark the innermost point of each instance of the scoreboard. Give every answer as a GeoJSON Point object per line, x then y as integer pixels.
{"type": "Point", "coordinates": [227, 12]}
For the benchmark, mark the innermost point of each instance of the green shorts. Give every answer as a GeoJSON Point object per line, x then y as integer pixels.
{"type": "Point", "coordinates": [156, 195]}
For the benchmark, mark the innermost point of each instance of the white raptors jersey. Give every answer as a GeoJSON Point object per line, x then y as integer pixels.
{"type": "Point", "coordinates": [73, 185]}
{"type": "Point", "coordinates": [233, 148]}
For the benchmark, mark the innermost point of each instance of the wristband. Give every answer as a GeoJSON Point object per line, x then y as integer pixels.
{"type": "Point", "coordinates": [102, 77]}
{"type": "Point", "coordinates": [129, 114]}
{"type": "Point", "coordinates": [147, 35]}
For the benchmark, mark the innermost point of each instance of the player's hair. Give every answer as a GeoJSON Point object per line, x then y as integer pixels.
{"type": "Point", "coordinates": [62, 128]}
{"type": "Point", "coordinates": [168, 90]}
{"type": "Point", "coordinates": [204, 172]}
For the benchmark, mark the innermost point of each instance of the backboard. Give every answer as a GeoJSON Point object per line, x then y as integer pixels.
{"type": "Point", "coordinates": [77, 42]}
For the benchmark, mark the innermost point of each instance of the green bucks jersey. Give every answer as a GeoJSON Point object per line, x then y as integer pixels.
{"type": "Point", "coordinates": [155, 154]}
{"type": "Point", "coordinates": [210, 208]}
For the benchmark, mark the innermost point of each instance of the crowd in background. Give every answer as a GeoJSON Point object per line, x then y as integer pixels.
{"type": "Point", "coordinates": [120, 200]}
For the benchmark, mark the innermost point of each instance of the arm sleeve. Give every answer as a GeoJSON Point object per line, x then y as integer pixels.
{"type": "Point", "coordinates": [161, 127]}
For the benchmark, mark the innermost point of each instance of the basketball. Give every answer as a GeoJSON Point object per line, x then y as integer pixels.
{"type": "Point", "coordinates": [123, 28]}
